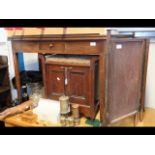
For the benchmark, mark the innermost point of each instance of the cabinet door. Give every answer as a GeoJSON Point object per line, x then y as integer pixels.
{"type": "Point", "coordinates": [78, 85]}
{"type": "Point", "coordinates": [124, 79]}
{"type": "Point", "coordinates": [55, 81]}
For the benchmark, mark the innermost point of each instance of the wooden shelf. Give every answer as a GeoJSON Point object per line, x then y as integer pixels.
{"type": "Point", "coordinates": [4, 89]}
{"type": "Point", "coordinates": [3, 66]}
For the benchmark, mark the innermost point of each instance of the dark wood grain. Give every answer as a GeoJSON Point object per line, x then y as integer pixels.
{"type": "Point", "coordinates": [124, 79]}
{"type": "Point", "coordinates": [125, 65]}
{"type": "Point", "coordinates": [144, 73]}
{"type": "Point", "coordinates": [55, 77]}
{"type": "Point", "coordinates": [80, 86]}
{"type": "Point", "coordinates": [5, 88]}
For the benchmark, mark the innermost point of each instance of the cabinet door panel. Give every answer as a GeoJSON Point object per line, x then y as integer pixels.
{"type": "Point", "coordinates": [78, 85]}
{"type": "Point", "coordinates": [125, 67]}
{"type": "Point", "coordinates": [55, 82]}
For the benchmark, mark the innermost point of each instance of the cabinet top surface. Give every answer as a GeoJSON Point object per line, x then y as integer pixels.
{"type": "Point", "coordinates": [71, 37]}
{"type": "Point", "coordinates": [59, 37]}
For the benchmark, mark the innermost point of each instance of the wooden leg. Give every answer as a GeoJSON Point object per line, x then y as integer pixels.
{"type": "Point", "coordinates": [42, 67]}
{"type": "Point", "coordinates": [17, 76]}
{"type": "Point", "coordinates": [40, 62]}
{"type": "Point", "coordinates": [141, 115]}
{"type": "Point", "coordinates": [136, 118]}
{"type": "Point", "coordinates": [101, 90]}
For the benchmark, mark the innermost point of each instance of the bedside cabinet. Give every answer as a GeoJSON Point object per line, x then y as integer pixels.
{"type": "Point", "coordinates": [75, 77]}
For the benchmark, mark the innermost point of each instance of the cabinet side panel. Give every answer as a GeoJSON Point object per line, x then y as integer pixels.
{"type": "Point", "coordinates": [124, 79]}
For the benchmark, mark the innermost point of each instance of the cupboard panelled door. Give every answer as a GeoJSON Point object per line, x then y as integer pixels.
{"type": "Point", "coordinates": [125, 68]}
{"type": "Point", "coordinates": [55, 81]}
{"type": "Point", "coordinates": [78, 85]}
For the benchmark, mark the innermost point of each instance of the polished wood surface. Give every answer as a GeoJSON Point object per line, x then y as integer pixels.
{"type": "Point", "coordinates": [67, 37]}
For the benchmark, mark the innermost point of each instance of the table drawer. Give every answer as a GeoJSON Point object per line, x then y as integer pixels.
{"type": "Point", "coordinates": [57, 47]}
{"type": "Point", "coordinates": [83, 47]}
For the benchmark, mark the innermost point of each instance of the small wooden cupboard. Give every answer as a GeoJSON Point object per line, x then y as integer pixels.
{"type": "Point", "coordinates": [76, 77]}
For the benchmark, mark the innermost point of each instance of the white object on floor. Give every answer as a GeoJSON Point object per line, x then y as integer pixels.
{"type": "Point", "coordinates": [48, 110]}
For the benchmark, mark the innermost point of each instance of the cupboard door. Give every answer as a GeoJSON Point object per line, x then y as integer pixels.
{"type": "Point", "coordinates": [78, 85]}
{"type": "Point", "coordinates": [55, 81]}
{"type": "Point", "coordinates": [124, 79]}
